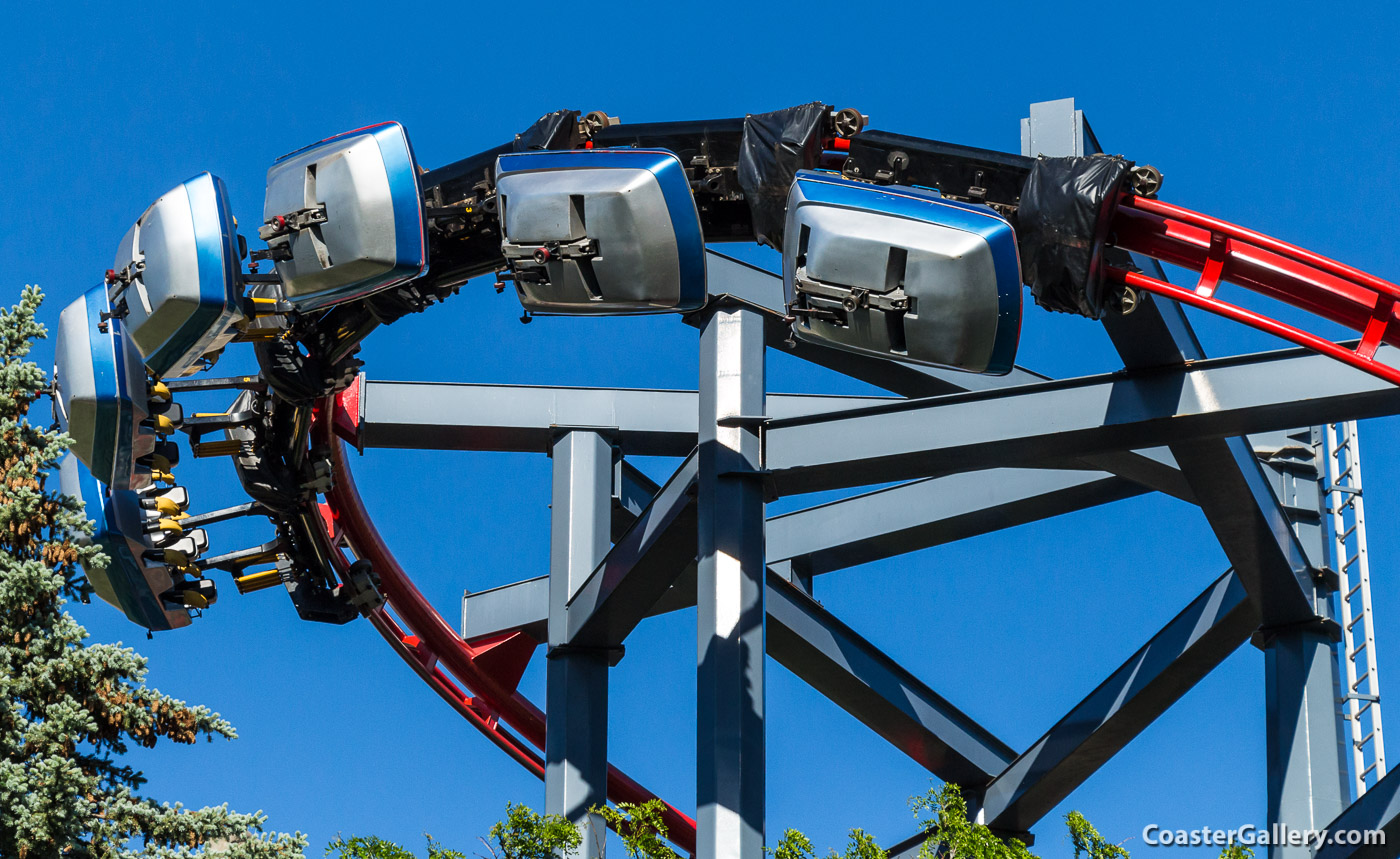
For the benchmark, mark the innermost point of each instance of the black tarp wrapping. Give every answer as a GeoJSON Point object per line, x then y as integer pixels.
{"type": "Point", "coordinates": [548, 131]}
{"type": "Point", "coordinates": [1066, 210]}
{"type": "Point", "coordinates": [774, 147]}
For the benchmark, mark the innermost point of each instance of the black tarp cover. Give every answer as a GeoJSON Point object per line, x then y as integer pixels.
{"type": "Point", "coordinates": [548, 132]}
{"type": "Point", "coordinates": [1066, 209]}
{"type": "Point", "coordinates": [774, 147]}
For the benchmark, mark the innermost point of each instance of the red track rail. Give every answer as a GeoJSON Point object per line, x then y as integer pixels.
{"type": "Point", "coordinates": [1222, 251]}
{"type": "Point", "coordinates": [489, 669]}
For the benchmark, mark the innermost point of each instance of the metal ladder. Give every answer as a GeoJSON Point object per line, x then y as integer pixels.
{"type": "Point", "coordinates": [1362, 694]}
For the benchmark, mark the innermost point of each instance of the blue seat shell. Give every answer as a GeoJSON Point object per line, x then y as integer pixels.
{"type": "Point", "coordinates": [128, 582]}
{"type": "Point", "coordinates": [100, 394]}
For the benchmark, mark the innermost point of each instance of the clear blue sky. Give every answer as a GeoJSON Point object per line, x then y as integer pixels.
{"type": "Point", "coordinates": [1281, 117]}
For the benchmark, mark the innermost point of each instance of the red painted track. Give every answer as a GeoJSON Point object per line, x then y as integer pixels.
{"type": "Point", "coordinates": [1222, 252]}
{"type": "Point", "coordinates": [480, 678]}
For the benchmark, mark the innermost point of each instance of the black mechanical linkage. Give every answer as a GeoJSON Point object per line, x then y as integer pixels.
{"type": "Point", "coordinates": [961, 172]}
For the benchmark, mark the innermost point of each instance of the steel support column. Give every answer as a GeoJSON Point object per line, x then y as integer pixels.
{"type": "Point", "coordinates": [1307, 777]}
{"type": "Point", "coordinates": [1307, 767]}
{"type": "Point", "coordinates": [730, 586]}
{"type": "Point", "coordinates": [576, 697]}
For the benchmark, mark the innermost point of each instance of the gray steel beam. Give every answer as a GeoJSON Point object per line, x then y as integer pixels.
{"type": "Point", "coordinates": [640, 567]}
{"type": "Point", "coordinates": [525, 418]}
{"type": "Point", "coordinates": [1255, 531]}
{"type": "Point", "coordinates": [730, 764]}
{"type": "Point", "coordinates": [856, 530]}
{"type": "Point", "coordinates": [933, 511]}
{"type": "Point", "coordinates": [811, 643]}
{"type": "Point", "coordinates": [1378, 810]}
{"type": "Point", "coordinates": [1245, 515]}
{"type": "Point", "coordinates": [817, 647]}
{"type": "Point", "coordinates": [1252, 527]}
{"type": "Point", "coordinates": [518, 607]}
{"type": "Point", "coordinates": [1258, 536]}
{"type": "Point", "coordinates": [576, 680]}
{"type": "Point", "coordinates": [1208, 630]}
{"type": "Point", "coordinates": [1055, 420]}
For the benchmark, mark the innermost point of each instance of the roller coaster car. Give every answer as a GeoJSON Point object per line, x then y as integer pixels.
{"type": "Point", "coordinates": [176, 275]}
{"type": "Point", "coordinates": [608, 231]}
{"type": "Point", "coordinates": [130, 582]}
{"type": "Point", "coordinates": [344, 217]}
{"type": "Point", "coordinates": [100, 396]}
{"type": "Point", "coordinates": [901, 273]}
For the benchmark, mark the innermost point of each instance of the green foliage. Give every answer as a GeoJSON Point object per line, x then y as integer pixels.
{"type": "Point", "coordinates": [640, 827]}
{"type": "Point", "coordinates": [861, 846]}
{"type": "Point", "coordinates": [69, 709]}
{"type": "Point", "coordinates": [527, 835]}
{"type": "Point", "coordinates": [378, 848]}
{"type": "Point", "coordinates": [1234, 851]}
{"type": "Point", "coordinates": [1087, 841]}
{"type": "Point", "coordinates": [942, 815]}
{"type": "Point", "coordinates": [367, 848]}
{"type": "Point", "coordinates": [793, 845]}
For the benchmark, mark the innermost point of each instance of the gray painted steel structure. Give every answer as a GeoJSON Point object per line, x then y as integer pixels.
{"type": "Point", "coordinates": [730, 777]}
{"type": "Point", "coordinates": [576, 684]}
{"type": "Point", "coordinates": [1259, 534]}
{"type": "Point", "coordinates": [979, 454]}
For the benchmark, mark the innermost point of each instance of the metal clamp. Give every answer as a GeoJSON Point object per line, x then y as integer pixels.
{"type": "Point", "coordinates": [292, 222]}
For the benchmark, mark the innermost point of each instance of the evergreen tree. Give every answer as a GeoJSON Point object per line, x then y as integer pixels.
{"type": "Point", "coordinates": [69, 709]}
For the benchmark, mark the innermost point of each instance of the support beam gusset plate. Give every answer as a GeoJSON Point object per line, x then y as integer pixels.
{"type": "Point", "coordinates": [632, 492]}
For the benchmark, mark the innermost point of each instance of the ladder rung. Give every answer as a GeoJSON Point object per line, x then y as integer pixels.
{"type": "Point", "coordinates": [1342, 487]}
